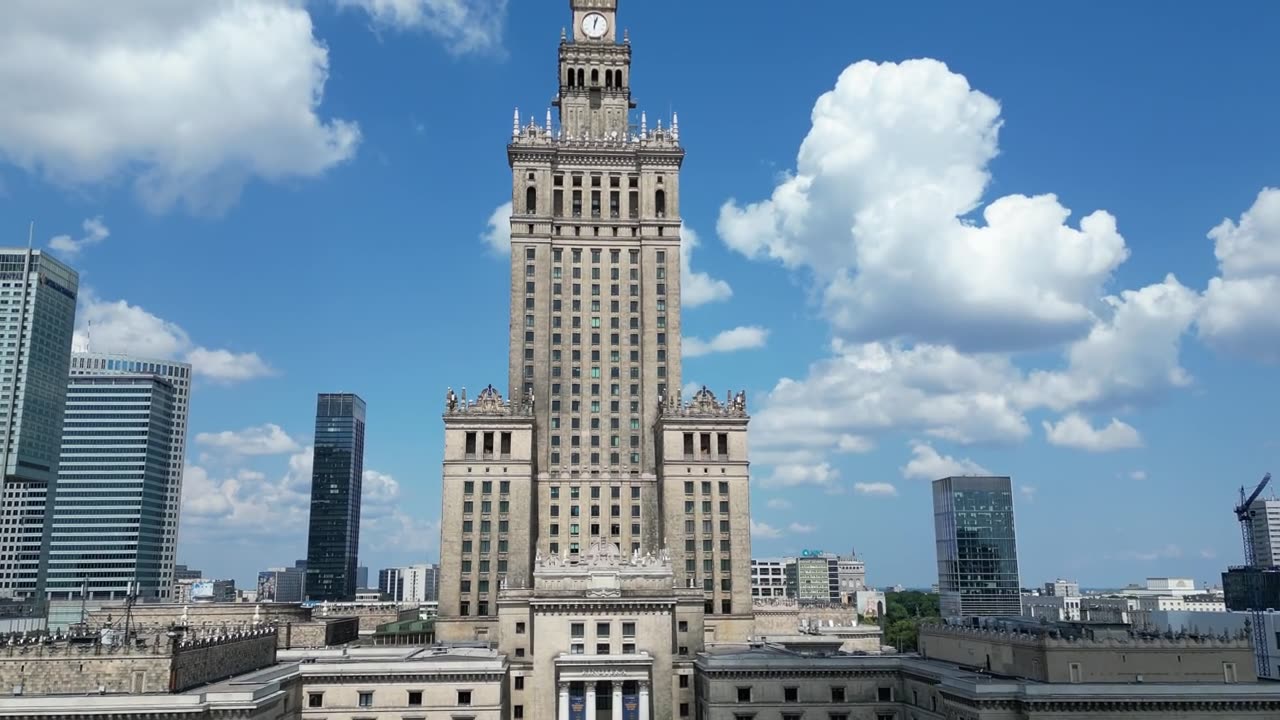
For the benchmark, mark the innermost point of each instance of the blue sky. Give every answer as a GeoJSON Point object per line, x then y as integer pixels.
{"type": "Point", "coordinates": [297, 198]}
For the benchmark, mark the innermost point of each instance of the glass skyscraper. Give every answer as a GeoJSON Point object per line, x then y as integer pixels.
{"type": "Point", "coordinates": [333, 540]}
{"type": "Point", "coordinates": [110, 509]}
{"type": "Point", "coordinates": [977, 547]}
{"type": "Point", "coordinates": [37, 316]}
{"type": "Point", "coordinates": [178, 375]}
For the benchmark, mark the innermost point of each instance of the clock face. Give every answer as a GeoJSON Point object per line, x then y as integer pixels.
{"type": "Point", "coordinates": [594, 25]}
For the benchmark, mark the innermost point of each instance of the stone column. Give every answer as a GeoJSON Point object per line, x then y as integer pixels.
{"type": "Point", "coordinates": [591, 700]}
{"type": "Point", "coordinates": [616, 713]}
{"type": "Point", "coordinates": [562, 709]}
{"type": "Point", "coordinates": [644, 700]}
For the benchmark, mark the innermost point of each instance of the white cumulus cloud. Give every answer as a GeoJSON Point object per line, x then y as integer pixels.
{"type": "Point", "coordinates": [796, 474]}
{"type": "Point", "coordinates": [875, 488]}
{"type": "Point", "coordinates": [764, 531]}
{"type": "Point", "coordinates": [95, 231]}
{"type": "Point", "coordinates": [1074, 431]}
{"type": "Point", "coordinates": [188, 100]}
{"type": "Point", "coordinates": [117, 326]}
{"type": "Point", "coordinates": [465, 26]}
{"type": "Point", "coordinates": [497, 234]}
{"type": "Point", "coordinates": [802, 528]}
{"type": "Point", "coordinates": [877, 209]}
{"type": "Point", "coordinates": [747, 337]}
{"type": "Point", "coordinates": [927, 464]}
{"type": "Point", "coordinates": [1241, 312]}
{"type": "Point", "coordinates": [697, 288]}
{"type": "Point", "coordinates": [778, 504]}
{"type": "Point", "coordinates": [268, 439]}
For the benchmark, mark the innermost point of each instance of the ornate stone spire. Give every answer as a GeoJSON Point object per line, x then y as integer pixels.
{"type": "Point", "coordinates": [644, 125]}
{"type": "Point", "coordinates": [548, 122]}
{"type": "Point", "coordinates": [515, 124]}
{"type": "Point", "coordinates": [675, 126]}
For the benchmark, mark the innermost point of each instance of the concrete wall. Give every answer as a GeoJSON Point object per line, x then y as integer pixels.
{"type": "Point", "coordinates": [318, 633]}
{"type": "Point", "coordinates": [82, 670]}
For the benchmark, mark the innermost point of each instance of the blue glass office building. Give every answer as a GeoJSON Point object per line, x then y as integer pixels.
{"type": "Point", "coordinates": [977, 547]}
{"type": "Point", "coordinates": [333, 540]}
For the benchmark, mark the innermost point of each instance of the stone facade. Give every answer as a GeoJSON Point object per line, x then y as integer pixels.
{"type": "Point", "coordinates": [1063, 656]}
{"type": "Point", "coordinates": [593, 498]}
{"type": "Point", "coordinates": [163, 666]}
{"type": "Point", "coordinates": [297, 626]}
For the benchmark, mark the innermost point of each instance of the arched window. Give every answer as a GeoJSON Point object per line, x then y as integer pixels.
{"type": "Point", "coordinates": [531, 201]}
{"type": "Point", "coordinates": [581, 75]}
{"type": "Point", "coordinates": [569, 80]}
{"type": "Point", "coordinates": [660, 203]}
{"type": "Point", "coordinates": [595, 76]}
{"type": "Point", "coordinates": [608, 78]}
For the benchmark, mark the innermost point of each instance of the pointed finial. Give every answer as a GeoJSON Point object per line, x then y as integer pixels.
{"type": "Point", "coordinates": [548, 121]}
{"type": "Point", "coordinates": [626, 35]}
{"type": "Point", "coordinates": [515, 124]}
{"type": "Point", "coordinates": [563, 35]}
{"type": "Point", "coordinates": [644, 125]}
{"type": "Point", "coordinates": [675, 126]}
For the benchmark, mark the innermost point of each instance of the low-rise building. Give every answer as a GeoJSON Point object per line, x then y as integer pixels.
{"type": "Point", "coordinates": [770, 682]}
{"type": "Point", "coordinates": [1089, 653]}
{"type": "Point", "coordinates": [768, 577]}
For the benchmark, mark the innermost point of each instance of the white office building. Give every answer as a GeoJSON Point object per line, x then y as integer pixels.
{"type": "Point", "coordinates": [769, 577]}
{"type": "Point", "coordinates": [412, 584]}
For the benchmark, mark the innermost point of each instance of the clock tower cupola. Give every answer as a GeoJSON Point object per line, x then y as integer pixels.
{"type": "Point", "coordinates": [595, 74]}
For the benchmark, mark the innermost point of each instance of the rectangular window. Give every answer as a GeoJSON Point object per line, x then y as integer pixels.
{"type": "Point", "coordinates": [315, 700]}
{"type": "Point", "coordinates": [366, 699]}
{"type": "Point", "coordinates": [791, 694]}
{"type": "Point", "coordinates": [415, 698]}
{"type": "Point", "coordinates": [744, 694]}
{"type": "Point", "coordinates": [837, 694]}
{"type": "Point", "coordinates": [464, 698]}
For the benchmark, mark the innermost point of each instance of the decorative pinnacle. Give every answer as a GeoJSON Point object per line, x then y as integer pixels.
{"type": "Point", "coordinates": [548, 121]}
{"type": "Point", "coordinates": [515, 124]}
{"type": "Point", "coordinates": [675, 126]}
{"type": "Point", "coordinates": [644, 124]}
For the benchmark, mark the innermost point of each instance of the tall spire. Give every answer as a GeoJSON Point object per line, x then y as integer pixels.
{"type": "Point", "coordinates": [515, 124]}
{"type": "Point", "coordinates": [548, 121]}
{"type": "Point", "coordinates": [644, 125]}
{"type": "Point", "coordinates": [675, 126]}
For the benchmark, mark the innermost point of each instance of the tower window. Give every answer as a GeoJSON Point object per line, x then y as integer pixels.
{"type": "Point", "coordinates": [595, 77]}
{"type": "Point", "coordinates": [569, 77]}
{"type": "Point", "coordinates": [660, 203]}
{"type": "Point", "coordinates": [531, 201]}
{"type": "Point", "coordinates": [581, 77]}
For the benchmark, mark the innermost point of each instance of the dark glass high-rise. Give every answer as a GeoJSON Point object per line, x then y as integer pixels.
{"type": "Point", "coordinates": [333, 541]}
{"type": "Point", "coordinates": [977, 547]}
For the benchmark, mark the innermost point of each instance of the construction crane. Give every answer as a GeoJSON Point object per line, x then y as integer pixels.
{"type": "Point", "coordinates": [1257, 613]}
{"type": "Point", "coordinates": [1245, 517]}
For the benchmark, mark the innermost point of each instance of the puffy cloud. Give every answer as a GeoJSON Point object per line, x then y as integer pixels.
{"type": "Point", "coordinates": [269, 439]}
{"type": "Point", "coordinates": [1239, 313]}
{"type": "Point", "coordinates": [876, 488]}
{"type": "Point", "coordinates": [247, 505]}
{"type": "Point", "coordinates": [188, 99]}
{"type": "Point", "coordinates": [795, 474]}
{"type": "Point", "coordinates": [497, 234]}
{"type": "Point", "coordinates": [927, 464]}
{"type": "Point", "coordinates": [1028, 492]}
{"type": "Point", "coordinates": [95, 231]}
{"type": "Point", "coordinates": [764, 531]}
{"type": "Point", "coordinates": [1074, 431]}
{"type": "Point", "coordinates": [697, 288]}
{"type": "Point", "coordinates": [117, 326]}
{"type": "Point", "coordinates": [747, 337]}
{"type": "Point", "coordinates": [465, 26]}
{"type": "Point", "coordinates": [778, 504]}
{"type": "Point", "coordinates": [1130, 357]}
{"type": "Point", "coordinates": [801, 528]}
{"type": "Point", "coordinates": [895, 161]}
{"type": "Point", "coordinates": [1138, 475]}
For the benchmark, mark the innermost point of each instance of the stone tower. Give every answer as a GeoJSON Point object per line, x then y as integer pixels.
{"type": "Point", "coordinates": [591, 509]}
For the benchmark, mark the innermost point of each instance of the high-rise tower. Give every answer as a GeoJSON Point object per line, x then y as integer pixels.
{"type": "Point", "coordinates": [595, 525]}
{"type": "Point", "coordinates": [37, 319]}
{"type": "Point", "coordinates": [977, 547]}
{"type": "Point", "coordinates": [337, 469]}
{"type": "Point", "coordinates": [177, 374]}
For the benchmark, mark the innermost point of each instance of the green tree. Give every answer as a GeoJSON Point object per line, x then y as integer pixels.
{"type": "Point", "coordinates": [904, 611]}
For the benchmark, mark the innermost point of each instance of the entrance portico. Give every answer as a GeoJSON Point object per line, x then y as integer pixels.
{"type": "Point", "coordinates": [603, 687]}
